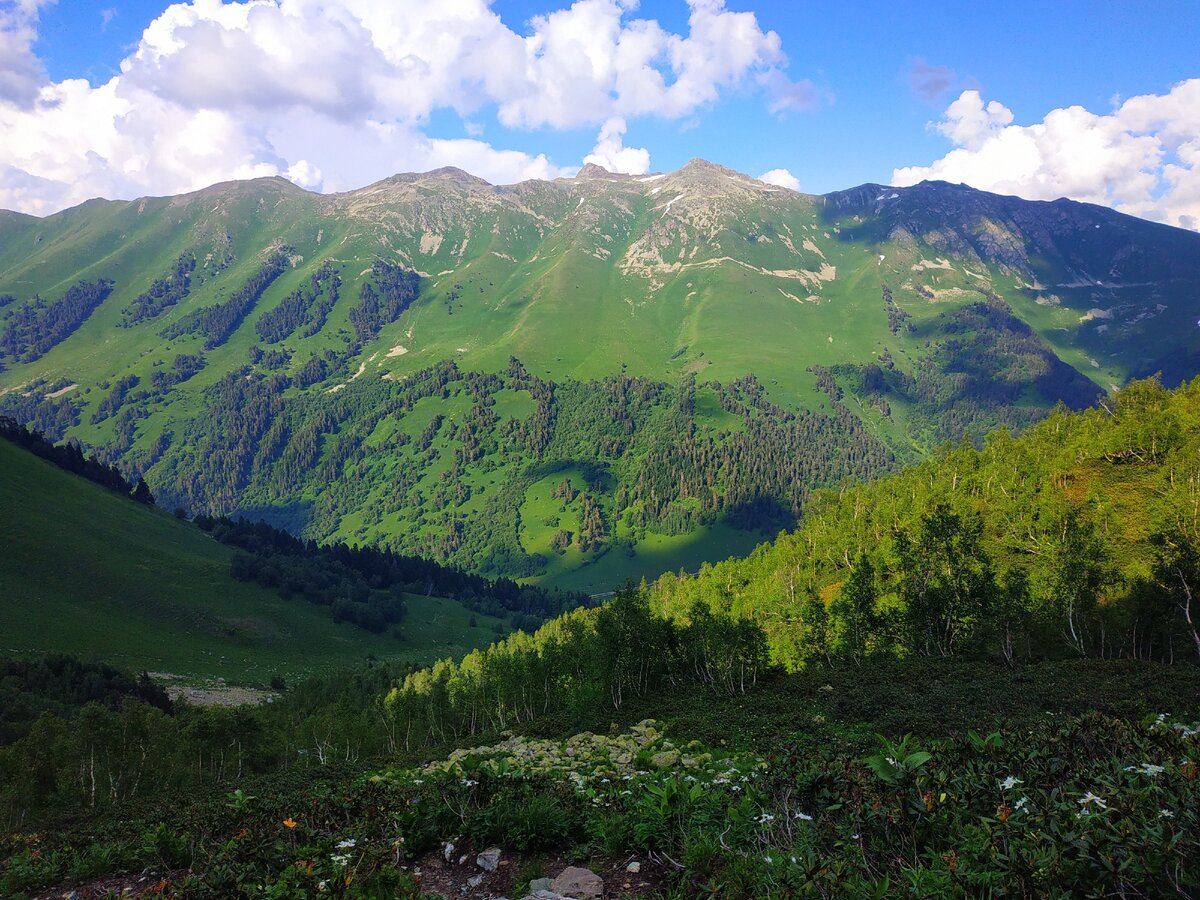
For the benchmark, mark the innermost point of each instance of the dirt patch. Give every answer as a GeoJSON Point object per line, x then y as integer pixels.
{"type": "Point", "coordinates": [450, 879]}
{"type": "Point", "coordinates": [63, 390]}
{"type": "Point", "coordinates": [437, 877]}
{"type": "Point", "coordinates": [122, 886]}
{"type": "Point", "coordinates": [211, 693]}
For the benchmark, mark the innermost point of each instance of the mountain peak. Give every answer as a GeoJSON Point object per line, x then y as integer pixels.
{"type": "Point", "coordinates": [452, 173]}
{"type": "Point", "coordinates": [592, 170]}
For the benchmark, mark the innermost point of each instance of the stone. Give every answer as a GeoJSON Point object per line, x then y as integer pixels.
{"type": "Point", "coordinates": [489, 859]}
{"type": "Point", "coordinates": [634, 867]}
{"type": "Point", "coordinates": [474, 881]}
{"type": "Point", "coordinates": [664, 759]}
{"type": "Point", "coordinates": [462, 859]}
{"type": "Point", "coordinates": [448, 851]}
{"type": "Point", "coordinates": [539, 884]}
{"type": "Point", "coordinates": [582, 884]}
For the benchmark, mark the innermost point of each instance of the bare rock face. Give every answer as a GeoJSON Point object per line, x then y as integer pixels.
{"type": "Point", "coordinates": [582, 884]}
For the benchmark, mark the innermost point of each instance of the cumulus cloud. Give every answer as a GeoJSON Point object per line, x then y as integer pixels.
{"type": "Point", "coordinates": [21, 72]}
{"type": "Point", "coordinates": [336, 93]}
{"type": "Point", "coordinates": [611, 153]}
{"type": "Point", "coordinates": [1142, 158]}
{"type": "Point", "coordinates": [782, 178]}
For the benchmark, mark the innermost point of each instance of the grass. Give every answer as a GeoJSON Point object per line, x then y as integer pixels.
{"type": "Point", "coordinates": [87, 572]}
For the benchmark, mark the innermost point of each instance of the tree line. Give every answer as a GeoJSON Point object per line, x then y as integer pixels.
{"type": "Point", "coordinates": [70, 458]}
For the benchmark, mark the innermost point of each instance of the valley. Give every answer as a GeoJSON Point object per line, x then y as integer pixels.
{"type": "Point", "coordinates": [404, 365]}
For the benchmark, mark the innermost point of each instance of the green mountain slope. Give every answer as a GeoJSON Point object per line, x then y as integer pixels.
{"type": "Point", "coordinates": [343, 364]}
{"type": "Point", "coordinates": [1080, 537]}
{"type": "Point", "coordinates": [86, 571]}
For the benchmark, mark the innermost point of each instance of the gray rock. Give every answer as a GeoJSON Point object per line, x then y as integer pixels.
{"type": "Point", "coordinates": [582, 884]}
{"type": "Point", "coordinates": [634, 867]}
{"type": "Point", "coordinates": [664, 759]}
{"type": "Point", "coordinates": [544, 895]}
{"type": "Point", "coordinates": [474, 881]}
{"type": "Point", "coordinates": [539, 884]}
{"type": "Point", "coordinates": [462, 859]}
{"type": "Point", "coordinates": [488, 859]}
{"type": "Point", "coordinates": [448, 851]}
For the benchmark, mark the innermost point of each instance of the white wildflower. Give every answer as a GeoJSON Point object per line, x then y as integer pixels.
{"type": "Point", "coordinates": [803, 817]}
{"type": "Point", "coordinates": [346, 844]}
{"type": "Point", "coordinates": [1010, 782]}
{"type": "Point", "coordinates": [1166, 814]}
{"type": "Point", "coordinates": [1148, 769]}
{"type": "Point", "coordinates": [1020, 804]}
{"type": "Point", "coordinates": [1091, 799]}
{"type": "Point", "coordinates": [765, 818]}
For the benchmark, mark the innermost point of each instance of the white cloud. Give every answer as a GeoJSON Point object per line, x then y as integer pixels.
{"type": "Point", "coordinates": [1143, 158]}
{"type": "Point", "coordinates": [335, 93]}
{"type": "Point", "coordinates": [782, 178]}
{"type": "Point", "coordinates": [21, 72]}
{"type": "Point", "coordinates": [611, 153]}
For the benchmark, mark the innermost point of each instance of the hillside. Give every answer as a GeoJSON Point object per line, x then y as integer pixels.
{"type": "Point", "coordinates": [976, 674]}
{"type": "Point", "coordinates": [89, 572]}
{"type": "Point", "coordinates": [420, 364]}
{"type": "Point", "coordinates": [1080, 536]}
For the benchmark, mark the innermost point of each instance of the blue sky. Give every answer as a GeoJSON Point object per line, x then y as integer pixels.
{"type": "Point", "coordinates": [864, 115]}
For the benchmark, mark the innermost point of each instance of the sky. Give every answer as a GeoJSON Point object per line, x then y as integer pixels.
{"type": "Point", "coordinates": [1098, 101]}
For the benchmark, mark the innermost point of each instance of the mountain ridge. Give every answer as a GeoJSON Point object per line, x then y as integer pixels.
{"type": "Point", "coordinates": [373, 332]}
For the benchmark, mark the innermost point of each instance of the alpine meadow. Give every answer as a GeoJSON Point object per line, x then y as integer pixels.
{"type": "Point", "coordinates": [509, 529]}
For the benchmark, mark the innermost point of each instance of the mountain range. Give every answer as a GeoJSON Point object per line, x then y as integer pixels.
{"type": "Point", "coordinates": [571, 381]}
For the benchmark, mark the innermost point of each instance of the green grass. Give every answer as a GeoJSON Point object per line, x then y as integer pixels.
{"type": "Point", "coordinates": [653, 555]}
{"type": "Point", "coordinates": [87, 572]}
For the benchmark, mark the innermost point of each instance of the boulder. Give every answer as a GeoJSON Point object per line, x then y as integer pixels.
{"type": "Point", "coordinates": [488, 859]}
{"type": "Point", "coordinates": [582, 884]}
{"type": "Point", "coordinates": [539, 884]}
{"type": "Point", "coordinates": [664, 759]}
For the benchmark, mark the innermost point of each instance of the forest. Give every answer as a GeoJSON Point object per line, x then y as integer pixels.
{"type": "Point", "coordinates": [882, 668]}
{"type": "Point", "coordinates": [451, 487]}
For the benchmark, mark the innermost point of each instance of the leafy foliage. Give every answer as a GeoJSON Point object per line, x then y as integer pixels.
{"type": "Point", "coordinates": [1060, 541]}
